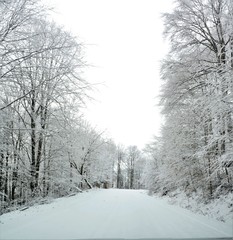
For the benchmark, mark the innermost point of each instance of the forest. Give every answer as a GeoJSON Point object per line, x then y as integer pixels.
{"type": "Point", "coordinates": [49, 150]}
{"type": "Point", "coordinates": [195, 150]}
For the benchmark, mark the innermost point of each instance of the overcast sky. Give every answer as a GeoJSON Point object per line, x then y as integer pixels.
{"type": "Point", "coordinates": [124, 43]}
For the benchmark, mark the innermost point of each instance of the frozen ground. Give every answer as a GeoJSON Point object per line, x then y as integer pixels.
{"type": "Point", "coordinates": [109, 213]}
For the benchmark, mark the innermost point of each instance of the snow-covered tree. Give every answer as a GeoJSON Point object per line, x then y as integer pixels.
{"type": "Point", "coordinates": [197, 137]}
{"type": "Point", "coordinates": [41, 87]}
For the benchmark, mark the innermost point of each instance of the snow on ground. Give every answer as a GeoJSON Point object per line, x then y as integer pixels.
{"type": "Point", "coordinates": [220, 208]}
{"type": "Point", "coordinates": [110, 213]}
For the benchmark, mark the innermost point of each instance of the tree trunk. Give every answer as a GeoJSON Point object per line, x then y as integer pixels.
{"type": "Point", "coordinates": [118, 174]}
{"type": "Point", "coordinates": [6, 192]}
{"type": "Point", "coordinates": [132, 178]}
{"type": "Point", "coordinates": [1, 174]}
{"type": "Point", "coordinates": [33, 183]}
{"type": "Point", "coordinates": [210, 181]}
{"type": "Point", "coordinates": [14, 176]}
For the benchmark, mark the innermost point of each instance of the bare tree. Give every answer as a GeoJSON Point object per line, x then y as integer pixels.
{"type": "Point", "coordinates": [120, 158]}
{"type": "Point", "coordinates": [133, 155]}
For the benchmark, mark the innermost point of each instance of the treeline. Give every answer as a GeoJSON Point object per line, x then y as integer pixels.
{"type": "Point", "coordinates": [46, 147]}
{"type": "Point", "coordinates": [130, 163]}
{"type": "Point", "coordinates": [195, 150]}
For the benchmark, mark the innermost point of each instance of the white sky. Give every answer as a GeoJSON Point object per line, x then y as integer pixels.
{"type": "Point", "coordinates": [125, 44]}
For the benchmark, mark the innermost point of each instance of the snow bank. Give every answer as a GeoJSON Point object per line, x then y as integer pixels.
{"type": "Point", "coordinates": [220, 208]}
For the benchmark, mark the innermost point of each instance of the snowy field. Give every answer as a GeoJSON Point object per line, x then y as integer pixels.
{"type": "Point", "coordinates": [111, 213]}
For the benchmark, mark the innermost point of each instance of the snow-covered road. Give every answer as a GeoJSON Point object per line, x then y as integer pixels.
{"type": "Point", "coordinates": [109, 213]}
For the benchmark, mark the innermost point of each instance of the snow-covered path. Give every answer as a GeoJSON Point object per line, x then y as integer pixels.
{"type": "Point", "coordinates": [109, 213]}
